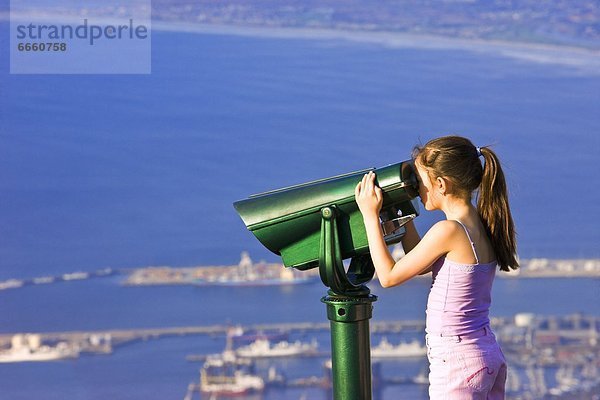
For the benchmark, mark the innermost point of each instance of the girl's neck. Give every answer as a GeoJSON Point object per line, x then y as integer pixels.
{"type": "Point", "coordinates": [457, 209]}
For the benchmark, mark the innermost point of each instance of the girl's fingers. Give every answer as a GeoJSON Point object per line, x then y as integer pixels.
{"type": "Point", "coordinates": [378, 192]}
{"type": "Point", "coordinates": [369, 181]}
{"type": "Point", "coordinates": [372, 178]}
{"type": "Point", "coordinates": [367, 186]}
{"type": "Point", "coordinates": [364, 181]}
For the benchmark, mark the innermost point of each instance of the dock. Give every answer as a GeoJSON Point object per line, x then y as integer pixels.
{"type": "Point", "coordinates": [123, 336]}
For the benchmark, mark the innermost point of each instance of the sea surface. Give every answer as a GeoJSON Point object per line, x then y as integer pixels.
{"type": "Point", "coordinates": [126, 171]}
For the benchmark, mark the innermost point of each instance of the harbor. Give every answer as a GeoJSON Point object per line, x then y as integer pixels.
{"type": "Point", "coordinates": [550, 357]}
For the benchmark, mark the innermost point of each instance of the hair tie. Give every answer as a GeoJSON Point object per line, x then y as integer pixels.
{"type": "Point", "coordinates": [478, 151]}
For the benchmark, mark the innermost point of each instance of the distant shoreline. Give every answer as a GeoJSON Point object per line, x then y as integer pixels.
{"type": "Point", "coordinates": [264, 273]}
{"type": "Point", "coordinates": [581, 58]}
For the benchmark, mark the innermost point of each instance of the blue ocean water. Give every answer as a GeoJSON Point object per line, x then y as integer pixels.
{"type": "Point", "coordinates": [127, 171]}
{"type": "Point", "coordinates": [103, 170]}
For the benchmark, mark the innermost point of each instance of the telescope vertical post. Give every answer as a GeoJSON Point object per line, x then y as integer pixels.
{"type": "Point", "coordinates": [349, 308]}
{"type": "Point", "coordinates": [350, 346]}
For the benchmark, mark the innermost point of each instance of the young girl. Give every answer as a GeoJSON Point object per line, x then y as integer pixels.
{"type": "Point", "coordinates": [463, 253]}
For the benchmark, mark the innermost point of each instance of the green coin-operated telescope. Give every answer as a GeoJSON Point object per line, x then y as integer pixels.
{"type": "Point", "coordinates": [318, 224]}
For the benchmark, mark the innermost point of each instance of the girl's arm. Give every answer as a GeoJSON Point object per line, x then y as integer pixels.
{"type": "Point", "coordinates": [417, 260]}
{"type": "Point", "coordinates": [411, 237]}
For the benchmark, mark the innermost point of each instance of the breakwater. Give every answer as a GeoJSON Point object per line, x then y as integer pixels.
{"type": "Point", "coordinates": [248, 274]}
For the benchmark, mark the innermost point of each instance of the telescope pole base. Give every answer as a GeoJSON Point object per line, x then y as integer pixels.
{"type": "Point", "coordinates": [350, 345]}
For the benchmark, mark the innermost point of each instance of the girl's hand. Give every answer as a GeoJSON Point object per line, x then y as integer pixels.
{"type": "Point", "coordinates": [368, 196]}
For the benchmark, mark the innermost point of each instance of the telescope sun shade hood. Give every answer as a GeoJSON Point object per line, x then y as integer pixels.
{"type": "Point", "coordinates": [287, 221]}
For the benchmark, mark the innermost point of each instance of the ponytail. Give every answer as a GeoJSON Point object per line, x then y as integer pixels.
{"type": "Point", "coordinates": [493, 208]}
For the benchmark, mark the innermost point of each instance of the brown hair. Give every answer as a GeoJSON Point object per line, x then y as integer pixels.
{"type": "Point", "coordinates": [457, 159]}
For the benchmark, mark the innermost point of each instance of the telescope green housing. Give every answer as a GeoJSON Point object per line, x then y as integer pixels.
{"type": "Point", "coordinates": [288, 221]}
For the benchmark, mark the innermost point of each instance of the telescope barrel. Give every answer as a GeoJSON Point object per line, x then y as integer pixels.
{"type": "Point", "coordinates": [287, 221]}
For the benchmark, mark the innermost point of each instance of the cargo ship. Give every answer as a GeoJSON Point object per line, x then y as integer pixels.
{"type": "Point", "coordinates": [228, 375]}
{"type": "Point", "coordinates": [28, 348]}
{"type": "Point", "coordinates": [263, 348]}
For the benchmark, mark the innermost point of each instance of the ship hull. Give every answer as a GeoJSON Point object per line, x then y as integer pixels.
{"type": "Point", "coordinates": [231, 392]}
{"type": "Point", "coordinates": [35, 357]}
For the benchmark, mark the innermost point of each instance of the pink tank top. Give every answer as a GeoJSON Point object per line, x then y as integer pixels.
{"type": "Point", "coordinates": [460, 296]}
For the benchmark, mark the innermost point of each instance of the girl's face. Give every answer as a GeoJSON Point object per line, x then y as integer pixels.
{"type": "Point", "coordinates": [426, 190]}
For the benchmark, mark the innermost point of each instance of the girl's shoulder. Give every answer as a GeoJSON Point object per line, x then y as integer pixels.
{"type": "Point", "coordinates": [441, 235]}
{"type": "Point", "coordinates": [446, 228]}
{"type": "Point", "coordinates": [448, 234]}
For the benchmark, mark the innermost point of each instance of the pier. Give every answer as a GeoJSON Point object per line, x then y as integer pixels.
{"type": "Point", "coordinates": [124, 336]}
{"type": "Point", "coordinates": [524, 331]}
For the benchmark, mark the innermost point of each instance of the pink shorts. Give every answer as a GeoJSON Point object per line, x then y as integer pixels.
{"type": "Point", "coordinates": [470, 367]}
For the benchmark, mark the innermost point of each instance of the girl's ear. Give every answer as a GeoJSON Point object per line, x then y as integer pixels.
{"type": "Point", "coordinates": [441, 184]}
